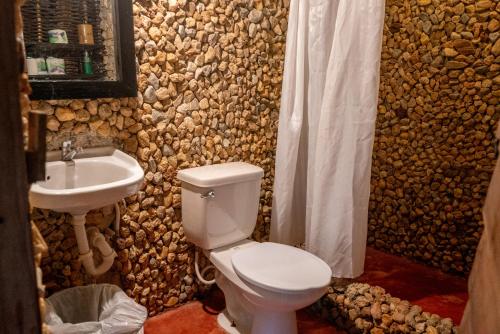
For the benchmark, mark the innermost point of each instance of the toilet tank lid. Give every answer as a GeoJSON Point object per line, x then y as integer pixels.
{"type": "Point", "coordinates": [220, 174]}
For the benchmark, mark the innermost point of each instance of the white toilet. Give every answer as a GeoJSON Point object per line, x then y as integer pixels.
{"type": "Point", "coordinates": [263, 283]}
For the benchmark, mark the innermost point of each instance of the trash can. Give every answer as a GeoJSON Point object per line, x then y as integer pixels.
{"type": "Point", "coordinates": [94, 309]}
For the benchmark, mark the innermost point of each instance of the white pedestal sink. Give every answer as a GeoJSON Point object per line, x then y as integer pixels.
{"type": "Point", "coordinates": [95, 178]}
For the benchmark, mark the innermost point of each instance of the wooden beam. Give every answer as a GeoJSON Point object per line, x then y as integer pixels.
{"type": "Point", "coordinates": [19, 311]}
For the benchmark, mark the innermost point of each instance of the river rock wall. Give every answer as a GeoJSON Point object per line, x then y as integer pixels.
{"type": "Point", "coordinates": [434, 147]}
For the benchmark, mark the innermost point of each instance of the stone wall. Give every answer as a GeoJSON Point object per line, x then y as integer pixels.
{"type": "Point", "coordinates": [434, 148]}
{"type": "Point", "coordinates": [209, 87]}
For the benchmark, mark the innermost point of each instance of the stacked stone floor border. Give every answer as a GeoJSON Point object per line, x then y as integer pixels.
{"type": "Point", "coordinates": [360, 308]}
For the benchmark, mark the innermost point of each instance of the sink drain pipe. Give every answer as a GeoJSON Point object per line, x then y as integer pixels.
{"type": "Point", "coordinates": [98, 241]}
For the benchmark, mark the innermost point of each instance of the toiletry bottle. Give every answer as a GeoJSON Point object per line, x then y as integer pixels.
{"type": "Point", "coordinates": [85, 30]}
{"type": "Point", "coordinates": [87, 63]}
{"type": "Point", "coordinates": [85, 33]}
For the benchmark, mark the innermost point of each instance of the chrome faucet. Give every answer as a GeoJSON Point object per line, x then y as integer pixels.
{"type": "Point", "coordinates": [68, 151]}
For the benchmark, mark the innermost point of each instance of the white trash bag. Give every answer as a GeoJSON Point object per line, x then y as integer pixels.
{"type": "Point", "coordinates": [94, 309]}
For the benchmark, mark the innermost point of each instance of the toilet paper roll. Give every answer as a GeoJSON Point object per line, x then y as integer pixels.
{"type": "Point", "coordinates": [55, 66]}
{"type": "Point", "coordinates": [31, 65]}
{"type": "Point", "coordinates": [41, 66]}
{"type": "Point", "coordinates": [36, 66]}
{"type": "Point", "coordinates": [58, 36]}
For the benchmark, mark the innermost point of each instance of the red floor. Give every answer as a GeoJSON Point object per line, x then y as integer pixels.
{"type": "Point", "coordinates": [433, 290]}
{"type": "Point", "coordinates": [201, 318]}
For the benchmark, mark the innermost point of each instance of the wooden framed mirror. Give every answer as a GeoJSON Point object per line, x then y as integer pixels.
{"type": "Point", "coordinates": [79, 48]}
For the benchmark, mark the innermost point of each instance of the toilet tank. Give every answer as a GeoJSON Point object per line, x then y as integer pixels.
{"type": "Point", "coordinates": [220, 203]}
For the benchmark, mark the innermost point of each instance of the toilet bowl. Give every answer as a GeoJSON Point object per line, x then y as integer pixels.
{"type": "Point", "coordinates": [263, 283]}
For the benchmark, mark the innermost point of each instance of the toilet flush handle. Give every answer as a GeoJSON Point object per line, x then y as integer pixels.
{"type": "Point", "coordinates": [208, 194]}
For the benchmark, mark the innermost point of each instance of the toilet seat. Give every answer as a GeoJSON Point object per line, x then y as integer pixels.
{"type": "Point", "coordinates": [280, 268]}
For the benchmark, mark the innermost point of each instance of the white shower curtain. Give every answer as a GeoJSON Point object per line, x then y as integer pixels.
{"type": "Point", "coordinates": [326, 129]}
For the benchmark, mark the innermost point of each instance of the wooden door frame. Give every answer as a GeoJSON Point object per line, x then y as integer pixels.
{"type": "Point", "coordinates": [19, 312]}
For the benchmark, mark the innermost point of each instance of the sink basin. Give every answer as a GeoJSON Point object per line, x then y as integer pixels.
{"type": "Point", "coordinates": [91, 182]}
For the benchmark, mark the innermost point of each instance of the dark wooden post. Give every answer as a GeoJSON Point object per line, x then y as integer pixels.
{"type": "Point", "coordinates": [18, 292]}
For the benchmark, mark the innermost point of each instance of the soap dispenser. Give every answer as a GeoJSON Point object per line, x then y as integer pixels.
{"type": "Point", "coordinates": [87, 63]}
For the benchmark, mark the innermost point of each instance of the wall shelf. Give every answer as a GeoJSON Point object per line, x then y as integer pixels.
{"type": "Point", "coordinates": [112, 55]}
{"type": "Point", "coordinates": [51, 47]}
{"type": "Point", "coordinates": [56, 77]}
